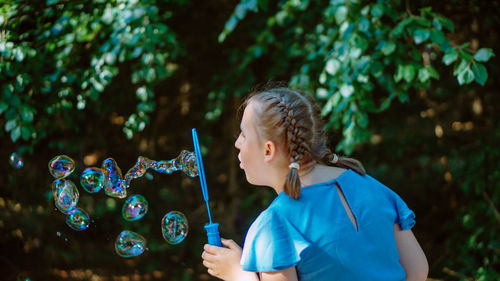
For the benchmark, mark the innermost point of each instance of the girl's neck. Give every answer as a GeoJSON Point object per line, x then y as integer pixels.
{"type": "Point", "coordinates": [319, 173]}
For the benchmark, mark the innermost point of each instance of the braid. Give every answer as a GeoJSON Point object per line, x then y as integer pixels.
{"type": "Point", "coordinates": [296, 148]}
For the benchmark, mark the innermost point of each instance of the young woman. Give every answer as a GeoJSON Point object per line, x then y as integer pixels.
{"type": "Point", "coordinates": [329, 221]}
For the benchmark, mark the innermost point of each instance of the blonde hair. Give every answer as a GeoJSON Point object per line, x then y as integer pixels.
{"type": "Point", "coordinates": [293, 119]}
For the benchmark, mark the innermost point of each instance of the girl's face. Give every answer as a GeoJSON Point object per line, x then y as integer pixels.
{"type": "Point", "coordinates": [251, 148]}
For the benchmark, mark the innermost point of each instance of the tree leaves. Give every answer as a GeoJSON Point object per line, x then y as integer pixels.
{"type": "Point", "coordinates": [483, 55]}
{"type": "Point", "coordinates": [480, 73]}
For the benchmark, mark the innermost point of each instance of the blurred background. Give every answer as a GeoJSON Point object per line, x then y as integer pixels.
{"type": "Point", "coordinates": [409, 88]}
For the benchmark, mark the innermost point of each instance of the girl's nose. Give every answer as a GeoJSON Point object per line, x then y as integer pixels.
{"type": "Point", "coordinates": [237, 143]}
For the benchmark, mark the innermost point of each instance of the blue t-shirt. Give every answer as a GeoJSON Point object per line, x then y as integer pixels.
{"type": "Point", "coordinates": [314, 233]}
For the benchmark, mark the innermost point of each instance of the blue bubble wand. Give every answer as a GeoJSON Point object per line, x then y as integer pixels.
{"type": "Point", "coordinates": [211, 228]}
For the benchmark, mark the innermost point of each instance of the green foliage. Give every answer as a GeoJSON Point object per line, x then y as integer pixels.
{"type": "Point", "coordinates": [406, 87]}
{"type": "Point", "coordinates": [58, 57]}
{"type": "Point", "coordinates": [344, 50]}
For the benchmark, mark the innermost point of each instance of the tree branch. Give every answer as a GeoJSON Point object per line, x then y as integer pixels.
{"type": "Point", "coordinates": [492, 206]}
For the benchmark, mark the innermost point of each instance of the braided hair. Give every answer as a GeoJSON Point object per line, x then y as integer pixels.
{"type": "Point", "coordinates": [292, 118]}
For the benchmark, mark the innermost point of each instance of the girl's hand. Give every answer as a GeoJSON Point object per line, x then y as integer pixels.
{"type": "Point", "coordinates": [224, 263]}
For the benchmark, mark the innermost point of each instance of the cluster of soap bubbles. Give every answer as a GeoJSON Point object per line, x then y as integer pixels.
{"type": "Point", "coordinates": [109, 177]}
{"type": "Point", "coordinates": [66, 194]}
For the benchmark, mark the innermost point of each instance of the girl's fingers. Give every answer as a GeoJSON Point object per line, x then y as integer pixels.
{"type": "Point", "coordinates": [212, 272]}
{"type": "Point", "coordinates": [211, 249]}
{"type": "Point", "coordinates": [208, 257]}
{"type": "Point", "coordinates": [230, 243]}
{"type": "Point", "coordinates": [208, 264]}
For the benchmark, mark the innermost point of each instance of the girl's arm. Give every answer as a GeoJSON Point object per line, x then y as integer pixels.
{"type": "Point", "coordinates": [289, 274]}
{"type": "Point", "coordinates": [224, 263]}
{"type": "Point", "coordinates": [411, 255]}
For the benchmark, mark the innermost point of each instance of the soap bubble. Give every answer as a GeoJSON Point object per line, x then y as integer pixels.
{"type": "Point", "coordinates": [65, 195]}
{"type": "Point", "coordinates": [135, 208]}
{"type": "Point", "coordinates": [16, 161]}
{"type": "Point", "coordinates": [61, 166]}
{"type": "Point", "coordinates": [188, 163]}
{"type": "Point", "coordinates": [77, 219]}
{"type": "Point", "coordinates": [174, 227]}
{"type": "Point", "coordinates": [138, 170]}
{"type": "Point", "coordinates": [94, 179]}
{"type": "Point", "coordinates": [114, 187]}
{"type": "Point", "coordinates": [129, 244]}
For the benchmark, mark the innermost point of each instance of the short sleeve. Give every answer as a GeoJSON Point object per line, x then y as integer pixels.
{"type": "Point", "coordinates": [271, 244]}
{"type": "Point", "coordinates": [405, 216]}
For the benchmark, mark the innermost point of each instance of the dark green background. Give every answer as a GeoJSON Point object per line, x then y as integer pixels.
{"type": "Point", "coordinates": [433, 141]}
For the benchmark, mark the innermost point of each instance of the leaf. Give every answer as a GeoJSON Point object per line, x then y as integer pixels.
{"type": "Point", "coordinates": [26, 114]}
{"type": "Point", "coordinates": [3, 106]}
{"type": "Point", "coordinates": [432, 72]}
{"type": "Point", "coordinates": [423, 75]}
{"type": "Point", "coordinates": [400, 27]}
{"type": "Point", "coordinates": [466, 76]}
{"type": "Point", "coordinates": [15, 134]}
{"type": "Point", "coordinates": [460, 67]}
{"type": "Point", "coordinates": [480, 73]}
{"type": "Point", "coordinates": [11, 124]}
{"type": "Point", "coordinates": [377, 11]}
{"type": "Point", "coordinates": [399, 73]}
{"type": "Point", "coordinates": [322, 93]}
{"type": "Point", "coordinates": [421, 35]}
{"type": "Point", "coordinates": [346, 90]}
{"type": "Point", "coordinates": [25, 133]}
{"type": "Point", "coordinates": [448, 24]}
{"type": "Point", "coordinates": [408, 72]}
{"type": "Point", "coordinates": [483, 55]}
{"type": "Point", "coordinates": [340, 14]}
{"type": "Point", "coordinates": [388, 48]}
{"type": "Point", "coordinates": [450, 57]}
{"type": "Point", "coordinates": [437, 37]}
{"type": "Point", "coordinates": [332, 66]}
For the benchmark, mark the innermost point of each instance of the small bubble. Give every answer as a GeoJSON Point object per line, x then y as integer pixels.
{"type": "Point", "coordinates": [58, 234]}
{"type": "Point", "coordinates": [77, 219]}
{"type": "Point", "coordinates": [61, 166]}
{"type": "Point", "coordinates": [174, 227]}
{"type": "Point", "coordinates": [135, 208]}
{"type": "Point", "coordinates": [114, 186]}
{"type": "Point", "coordinates": [129, 244]}
{"type": "Point", "coordinates": [94, 179]}
{"type": "Point", "coordinates": [16, 161]}
{"type": "Point", "coordinates": [65, 195]}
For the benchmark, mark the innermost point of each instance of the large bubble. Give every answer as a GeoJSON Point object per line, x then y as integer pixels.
{"type": "Point", "coordinates": [135, 208]}
{"type": "Point", "coordinates": [77, 219]}
{"type": "Point", "coordinates": [61, 166]}
{"type": "Point", "coordinates": [114, 186]}
{"type": "Point", "coordinates": [94, 179]}
{"type": "Point", "coordinates": [174, 227]}
{"type": "Point", "coordinates": [65, 195]}
{"type": "Point", "coordinates": [16, 161]}
{"type": "Point", "coordinates": [129, 244]}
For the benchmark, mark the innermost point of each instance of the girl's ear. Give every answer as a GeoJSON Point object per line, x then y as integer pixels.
{"type": "Point", "coordinates": [270, 151]}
